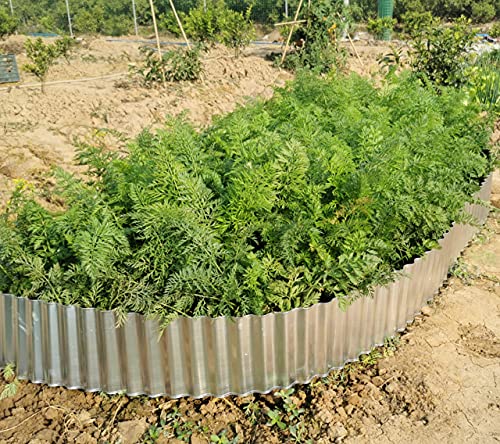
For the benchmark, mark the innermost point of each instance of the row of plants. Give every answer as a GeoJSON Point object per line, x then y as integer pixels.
{"type": "Point", "coordinates": [443, 55]}
{"type": "Point", "coordinates": [115, 17]}
{"type": "Point", "coordinates": [480, 11]}
{"type": "Point", "coordinates": [320, 193]}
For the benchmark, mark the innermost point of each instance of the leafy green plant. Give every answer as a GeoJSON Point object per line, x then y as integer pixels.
{"type": "Point", "coordinates": [221, 438]}
{"type": "Point", "coordinates": [42, 56]}
{"type": "Point", "coordinates": [203, 24]}
{"type": "Point", "coordinates": [8, 23]}
{"type": "Point", "coordinates": [10, 389]}
{"type": "Point", "coordinates": [495, 30]}
{"type": "Point", "coordinates": [320, 193]}
{"type": "Point", "coordinates": [483, 80]}
{"type": "Point", "coordinates": [182, 64]}
{"type": "Point", "coordinates": [168, 22]}
{"type": "Point", "coordinates": [319, 37]}
{"type": "Point", "coordinates": [288, 416]}
{"type": "Point", "coordinates": [63, 47]}
{"type": "Point", "coordinates": [236, 30]}
{"type": "Point", "coordinates": [378, 25]}
{"type": "Point", "coordinates": [392, 61]}
{"type": "Point", "coordinates": [116, 25]}
{"type": "Point", "coordinates": [482, 12]}
{"type": "Point", "coordinates": [413, 23]}
{"type": "Point", "coordinates": [439, 53]}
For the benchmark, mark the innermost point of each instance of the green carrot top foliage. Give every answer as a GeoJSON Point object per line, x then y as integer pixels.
{"type": "Point", "coordinates": [320, 193]}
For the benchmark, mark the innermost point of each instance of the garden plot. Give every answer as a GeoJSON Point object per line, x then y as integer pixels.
{"type": "Point", "coordinates": [269, 419]}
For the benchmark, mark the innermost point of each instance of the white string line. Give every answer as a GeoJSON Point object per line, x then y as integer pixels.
{"type": "Point", "coordinates": [57, 82]}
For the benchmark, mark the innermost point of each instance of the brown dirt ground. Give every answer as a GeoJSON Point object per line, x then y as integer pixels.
{"type": "Point", "coordinates": [437, 384]}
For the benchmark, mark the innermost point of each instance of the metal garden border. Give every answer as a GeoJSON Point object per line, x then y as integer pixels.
{"type": "Point", "coordinates": [81, 348]}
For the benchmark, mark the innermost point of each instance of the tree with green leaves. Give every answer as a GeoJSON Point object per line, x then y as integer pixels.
{"type": "Point", "coordinates": [8, 23]}
{"type": "Point", "coordinates": [43, 56]}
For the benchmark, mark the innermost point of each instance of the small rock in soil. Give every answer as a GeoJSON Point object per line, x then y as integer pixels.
{"type": "Point", "coordinates": [426, 311]}
{"type": "Point", "coordinates": [354, 400]}
{"type": "Point", "coordinates": [51, 413]}
{"type": "Point", "coordinates": [342, 413]}
{"type": "Point", "coordinates": [46, 435]}
{"type": "Point", "coordinates": [85, 438]}
{"type": "Point", "coordinates": [349, 409]}
{"type": "Point", "coordinates": [131, 431]}
{"type": "Point", "coordinates": [339, 431]}
{"type": "Point", "coordinates": [392, 387]}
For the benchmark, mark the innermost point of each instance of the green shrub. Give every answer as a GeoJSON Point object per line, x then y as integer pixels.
{"type": "Point", "coordinates": [320, 50]}
{"type": "Point", "coordinates": [63, 47]}
{"type": "Point", "coordinates": [439, 53]}
{"type": "Point", "coordinates": [88, 22]}
{"type": "Point", "coordinates": [175, 65]}
{"type": "Point", "coordinates": [377, 26]}
{"type": "Point", "coordinates": [482, 12]}
{"type": "Point", "coordinates": [236, 30]}
{"type": "Point", "coordinates": [42, 56]}
{"type": "Point", "coordinates": [204, 25]}
{"type": "Point", "coordinates": [168, 22]}
{"type": "Point", "coordinates": [478, 10]}
{"type": "Point", "coordinates": [117, 26]}
{"type": "Point", "coordinates": [8, 23]}
{"type": "Point", "coordinates": [495, 30]}
{"type": "Point", "coordinates": [219, 24]}
{"type": "Point", "coordinates": [323, 191]}
{"type": "Point", "coordinates": [414, 23]}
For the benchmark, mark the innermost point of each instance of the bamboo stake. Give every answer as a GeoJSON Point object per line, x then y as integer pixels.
{"type": "Point", "coordinates": [153, 14]}
{"type": "Point", "coordinates": [353, 47]}
{"type": "Point", "coordinates": [134, 13]}
{"type": "Point", "coordinates": [291, 32]}
{"type": "Point", "coordinates": [290, 23]}
{"type": "Point", "coordinates": [351, 42]}
{"type": "Point", "coordinates": [69, 20]}
{"type": "Point", "coordinates": [179, 23]}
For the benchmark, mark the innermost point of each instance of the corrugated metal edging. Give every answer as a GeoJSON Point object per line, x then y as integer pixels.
{"type": "Point", "coordinates": [81, 348]}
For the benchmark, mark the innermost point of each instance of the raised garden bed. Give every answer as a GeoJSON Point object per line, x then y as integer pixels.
{"type": "Point", "coordinates": [309, 201]}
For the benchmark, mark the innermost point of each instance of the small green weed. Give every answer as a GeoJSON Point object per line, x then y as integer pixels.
{"type": "Point", "coordinates": [393, 61]}
{"type": "Point", "coordinates": [252, 411]}
{"type": "Point", "coordinates": [222, 438]}
{"type": "Point", "coordinates": [288, 417]}
{"type": "Point", "coordinates": [10, 389]}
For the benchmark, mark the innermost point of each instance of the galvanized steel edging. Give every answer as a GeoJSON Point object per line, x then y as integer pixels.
{"type": "Point", "coordinates": [81, 348]}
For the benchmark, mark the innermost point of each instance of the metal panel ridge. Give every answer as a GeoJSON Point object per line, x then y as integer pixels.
{"type": "Point", "coordinates": [81, 348]}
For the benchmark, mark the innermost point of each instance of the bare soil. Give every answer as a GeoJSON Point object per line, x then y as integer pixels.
{"type": "Point", "coordinates": [438, 383]}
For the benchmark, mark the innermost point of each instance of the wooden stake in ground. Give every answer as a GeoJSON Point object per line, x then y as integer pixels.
{"type": "Point", "coordinates": [153, 14]}
{"type": "Point", "coordinates": [285, 50]}
{"type": "Point", "coordinates": [179, 23]}
{"type": "Point", "coordinates": [351, 42]}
